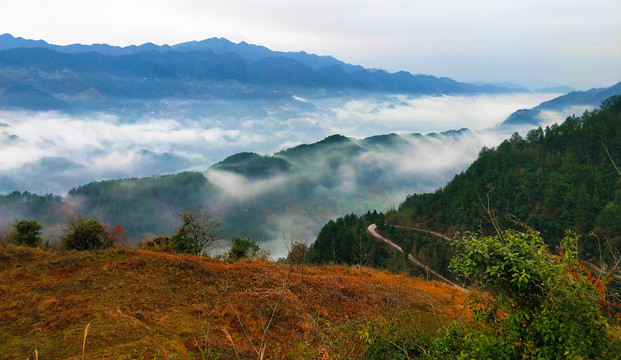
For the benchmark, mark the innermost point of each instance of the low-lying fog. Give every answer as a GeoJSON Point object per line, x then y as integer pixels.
{"type": "Point", "coordinates": [45, 152]}
{"type": "Point", "coordinates": [53, 152]}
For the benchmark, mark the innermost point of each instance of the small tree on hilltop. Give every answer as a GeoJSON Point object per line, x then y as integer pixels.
{"type": "Point", "coordinates": [27, 232]}
{"type": "Point", "coordinates": [298, 254]}
{"type": "Point", "coordinates": [243, 248]}
{"type": "Point", "coordinates": [114, 236]}
{"type": "Point", "coordinates": [83, 233]}
{"type": "Point", "coordinates": [297, 247]}
{"type": "Point", "coordinates": [198, 233]}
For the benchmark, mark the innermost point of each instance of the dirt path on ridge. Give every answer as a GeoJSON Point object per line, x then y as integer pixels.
{"type": "Point", "coordinates": [372, 229]}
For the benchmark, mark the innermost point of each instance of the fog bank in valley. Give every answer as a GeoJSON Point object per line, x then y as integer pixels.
{"type": "Point", "coordinates": [392, 146]}
{"type": "Point", "coordinates": [53, 152]}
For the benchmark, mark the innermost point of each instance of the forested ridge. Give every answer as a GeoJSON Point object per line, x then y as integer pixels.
{"type": "Point", "coordinates": [29, 205]}
{"type": "Point", "coordinates": [347, 241]}
{"type": "Point", "coordinates": [145, 205]}
{"type": "Point", "coordinates": [540, 305]}
{"type": "Point", "coordinates": [557, 178]}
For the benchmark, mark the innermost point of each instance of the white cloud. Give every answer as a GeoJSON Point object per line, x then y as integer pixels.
{"type": "Point", "coordinates": [103, 146]}
{"type": "Point", "coordinates": [239, 187]}
{"type": "Point", "coordinates": [370, 116]}
{"type": "Point", "coordinates": [548, 117]}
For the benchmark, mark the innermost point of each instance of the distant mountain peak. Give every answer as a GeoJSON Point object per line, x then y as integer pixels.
{"type": "Point", "coordinates": [192, 68]}
{"type": "Point", "coordinates": [590, 98]}
{"type": "Point", "coordinates": [336, 138]}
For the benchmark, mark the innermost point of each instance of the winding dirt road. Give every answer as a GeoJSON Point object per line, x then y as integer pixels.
{"type": "Point", "coordinates": [372, 229]}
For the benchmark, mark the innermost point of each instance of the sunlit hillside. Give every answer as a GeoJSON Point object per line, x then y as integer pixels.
{"type": "Point", "coordinates": [147, 305]}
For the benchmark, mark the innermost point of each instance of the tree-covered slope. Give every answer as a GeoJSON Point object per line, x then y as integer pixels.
{"type": "Point", "coordinates": [27, 205]}
{"type": "Point", "coordinates": [143, 206]}
{"type": "Point", "coordinates": [557, 178]}
{"type": "Point", "coordinates": [253, 165]}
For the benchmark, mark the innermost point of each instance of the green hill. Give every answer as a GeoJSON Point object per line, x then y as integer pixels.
{"type": "Point", "coordinates": [252, 165]}
{"type": "Point", "coordinates": [556, 178]}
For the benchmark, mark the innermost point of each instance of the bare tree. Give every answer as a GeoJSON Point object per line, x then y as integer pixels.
{"type": "Point", "coordinates": [296, 245]}
{"type": "Point", "coordinates": [362, 251]}
{"type": "Point", "coordinates": [488, 214]}
{"type": "Point", "coordinates": [297, 254]}
{"type": "Point", "coordinates": [199, 232]}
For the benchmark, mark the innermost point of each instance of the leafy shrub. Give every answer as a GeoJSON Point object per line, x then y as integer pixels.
{"type": "Point", "coordinates": [82, 233]}
{"type": "Point", "coordinates": [157, 243]}
{"type": "Point", "coordinates": [243, 248]}
{"type": "Point", "coordinates": [542, 306]}
{"type": "Point", "coordinates": [27, 232]}
{"type": "Point", "coordinates": [397, 337]}
{"type": "Point", "coordinates": [115, 235]}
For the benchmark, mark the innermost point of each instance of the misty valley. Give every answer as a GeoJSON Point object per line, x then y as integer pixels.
{"type": "Point", "coordinates": [231, 129]}
{"type": "Point", "coordinates": [298, 176]}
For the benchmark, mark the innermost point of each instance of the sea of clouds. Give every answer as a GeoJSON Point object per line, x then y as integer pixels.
{"type": "Point", "coordinates": [53, 152]}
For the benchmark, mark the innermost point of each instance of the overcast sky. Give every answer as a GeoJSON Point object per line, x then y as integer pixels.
{"type": "Point", "coordinates": [535, 43]}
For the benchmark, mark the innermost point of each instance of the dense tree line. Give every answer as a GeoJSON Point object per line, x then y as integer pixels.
{"type": "Point", "coordinates": [339, 239]}
{"type": "Point", "coordinates": [346, 241]}
{"type": "Point", "coordinates": [430, 250]}
{"type": "Point", "coordinates": [557, 178]}
{"type": "Point", "coordinates": [26, 204]}
{"type": "Point", "coordinates": [145, 205]}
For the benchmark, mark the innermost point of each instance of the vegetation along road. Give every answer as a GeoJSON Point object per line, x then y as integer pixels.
{"type": "Point", "coordinates": [372, 229]}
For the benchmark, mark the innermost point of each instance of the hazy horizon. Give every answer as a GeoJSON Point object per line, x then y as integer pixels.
{"type": "Point", "coordinates": [532, 43]}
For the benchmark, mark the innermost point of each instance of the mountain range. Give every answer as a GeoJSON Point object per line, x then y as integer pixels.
{"type": "Point", "coordinates": [219, 46]}
{"type": "Point", "coordinates": [302, 186]}
{"type": "Point", "coordinates": [41, 76]}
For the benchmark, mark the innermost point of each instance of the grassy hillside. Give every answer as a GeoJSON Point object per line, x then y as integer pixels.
{"type": "Point", "coordinates": [141, 304]}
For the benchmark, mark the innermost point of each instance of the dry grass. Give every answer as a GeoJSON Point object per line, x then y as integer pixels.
{"type": "Point", "coordinates": [157, 305]}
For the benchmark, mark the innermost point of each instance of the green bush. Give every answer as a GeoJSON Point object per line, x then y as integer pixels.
{"type": "Point", "coordinates": [541, 306]}
{"type": "Point", "coordinates": [158, 243]}
{"type": "Point", "coordinates": [243, 248]}
{"type": "Point", "coordinates": [27, 232]}
{"type": "Point", "coordinates": [85, 234]}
